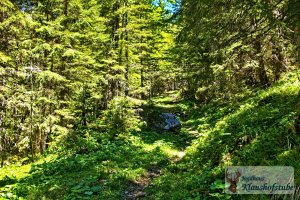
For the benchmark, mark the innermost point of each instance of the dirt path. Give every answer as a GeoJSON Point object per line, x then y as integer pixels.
{"type": "Point", "coordinates": [136, 189]}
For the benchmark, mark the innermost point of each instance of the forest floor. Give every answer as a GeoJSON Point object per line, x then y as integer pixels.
{"type": "Point", "coordinates": [260, 128]}
{"type": "Point", "coordinates": [164, 104]}
{"type": "Point", "coordinates": [124, 168]}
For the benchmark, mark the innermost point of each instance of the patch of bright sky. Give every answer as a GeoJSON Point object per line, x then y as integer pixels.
{"type": "Point", "coordinates": [170, 5]}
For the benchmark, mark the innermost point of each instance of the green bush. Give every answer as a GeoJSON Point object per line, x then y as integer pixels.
{"type": "Point", "coordinates": [120, 116]}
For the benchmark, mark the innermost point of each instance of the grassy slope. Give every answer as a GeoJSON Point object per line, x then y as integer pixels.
{"type": "Point", "coordinates": [263, 129]}
{"type": "Point", "coordinates": [260, 130]}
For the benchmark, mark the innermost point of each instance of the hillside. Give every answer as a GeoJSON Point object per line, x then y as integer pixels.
{"type": "Point", "coordinates": [260, 129]}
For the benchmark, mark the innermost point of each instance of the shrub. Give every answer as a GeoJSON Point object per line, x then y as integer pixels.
{"type": "Point", "coordinates": [120, 116]}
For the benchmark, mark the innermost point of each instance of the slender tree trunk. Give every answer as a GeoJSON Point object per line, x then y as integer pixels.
{"type": "Point", "coordinates": [142, 70]}
{"type": "Point", "coordinates": [142, 81]}
{"type": "Point", "coordinates": [298, 43]}
{"type": "Point", "coordinates": [116, 25]}
{"type": "Point", "coordinates": [121, 43]}
{"type": "Point", "coordinates": [127, 72]}
{"type": "Point", "coordinates": [31, 119]}
{"type": "Point", "coordinates": [279, 63]}
{"type": "Point", "coordinates": [2, 114]}
{"type": "Point", "coordinates": [142, 78]}
{"type": "Point", "coordinates": [126, 55]}
{"type": "Point", "coordinates": [66, 7]}
{"type": "Point", "coordinates": [113, 83]}
{"type": "Point", "coordinates": [42, 141]}
{"type": "Point", "coordinates": [262, 74]}
{"type": "Point", "coordinates": [2, 161]}
{"type": "Point", "coordinates": [83, 111]}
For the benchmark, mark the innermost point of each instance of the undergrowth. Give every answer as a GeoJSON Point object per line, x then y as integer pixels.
{"type": "Point", "coordinates": [261, 129]}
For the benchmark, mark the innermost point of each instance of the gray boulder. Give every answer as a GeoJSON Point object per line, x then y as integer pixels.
{"type": "Point", "coordinates": [168, 121]}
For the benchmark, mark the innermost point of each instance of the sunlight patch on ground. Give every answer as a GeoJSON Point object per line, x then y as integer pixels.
{"type": "Point", "coordinates": [163, 146]}
{"type": "Point", "coordinates": [15, 171]}
{"type": "Point", "coordinates": [19, 171]}
{"type": "Point", "coordinates": [180, 154]}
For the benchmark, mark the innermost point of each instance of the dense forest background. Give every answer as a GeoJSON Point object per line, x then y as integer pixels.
{"type": "Point", "coordinates": [80, 79]}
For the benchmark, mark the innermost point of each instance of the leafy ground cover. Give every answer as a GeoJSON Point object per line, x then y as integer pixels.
{"type": "Point", "coordinates": [262, 128]}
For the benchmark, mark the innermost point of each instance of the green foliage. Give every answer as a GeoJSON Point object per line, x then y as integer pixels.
{"type": "Point", "coordinates": [120, 116]}
{"type": "Point", "coordinates": [104, 173]}
{"type": "Point", "coordinates": [257, 131]}
{"type": "Point", "coordinates": [75, 76]}
{"type": "Point", "coordinates": [7, 181]}
{"type": "Point", "coordinates": [204, 94]}
{"type": "Point", "coordinates": [230, 47]}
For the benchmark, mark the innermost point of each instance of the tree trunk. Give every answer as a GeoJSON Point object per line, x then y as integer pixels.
{"type": "Point", "coordinates": [262, 74]}
{"type": "Point", "coordinates": [2, 114]}
{"type": "Point", "coordinates": [279, 63]}
{"type": "Point", "coordinates": [83, 110]}
{"type": "Point", "coordinates": [116, 25]}
{"type": "Point", "coordinates": [142, 83]}
{"type": "Point", "coordinates": [142, 78]}
{"type": "Point", "coordinates": [126, 55]}
{"type": "Point", "coordinates": [31, 120]}
{"type": "Point", "coordinates": [66, 7]}
{"type": "Point", "coordinates": [298, 43]}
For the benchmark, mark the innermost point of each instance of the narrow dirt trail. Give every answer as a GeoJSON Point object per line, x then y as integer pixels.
{"type": "Point", "coordinates": [136, 189]}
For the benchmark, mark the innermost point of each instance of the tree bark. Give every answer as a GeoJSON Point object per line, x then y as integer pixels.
{"type": "Point", "coordinates": [298, 43]}
{"type": "Point", "coordinates": [66, 7]}
{"type": "Point", "coordinates": [126, 55]}
{"type": "Point", "coordinates": [279, 63]}
{"type": "Point", "coordinates": [83, 108]}
{"type": "Point", "coordinates": [262, 74]}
